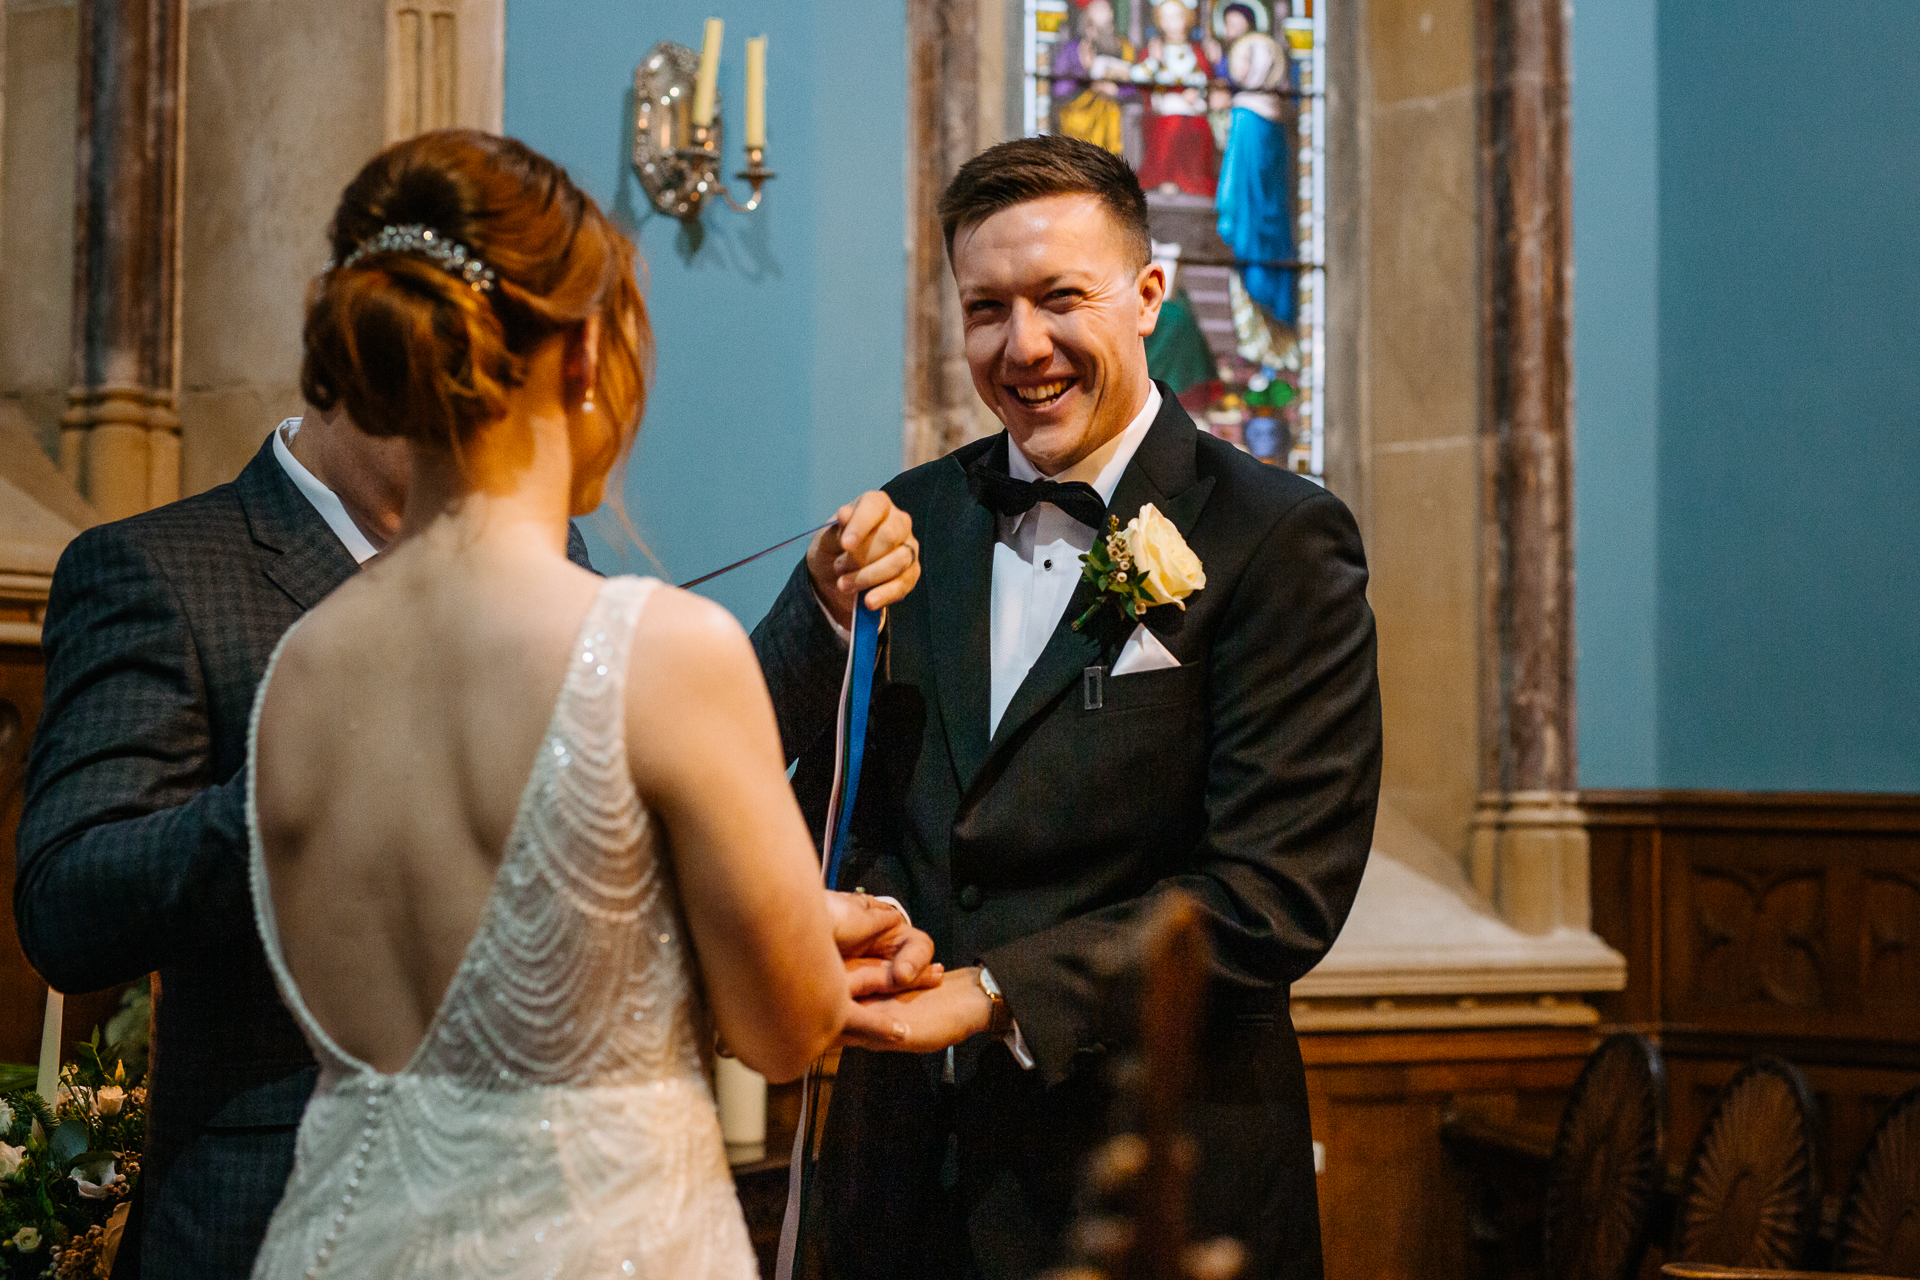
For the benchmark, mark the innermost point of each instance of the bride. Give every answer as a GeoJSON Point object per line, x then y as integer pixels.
{"type": "Point", "coordinates": [512, 979]}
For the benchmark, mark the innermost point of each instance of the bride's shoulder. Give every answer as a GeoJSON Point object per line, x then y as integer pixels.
{"type": "Point", "coordinates": [684, 637]}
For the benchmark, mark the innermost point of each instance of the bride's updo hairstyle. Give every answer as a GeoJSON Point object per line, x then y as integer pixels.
{"type": "Point", "coordinates": [417, 342]}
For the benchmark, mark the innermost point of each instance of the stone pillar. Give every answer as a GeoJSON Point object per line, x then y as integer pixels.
{"type": "Point", "coordinates": [943, 131]}
{"type": "Point", "coordinates": [120, 436]}
{"type": "Point", "coordinates": [1529, 845]}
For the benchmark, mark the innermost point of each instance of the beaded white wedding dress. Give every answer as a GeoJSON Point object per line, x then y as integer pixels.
{"type": "Point", "coordinates": [556, 1120]}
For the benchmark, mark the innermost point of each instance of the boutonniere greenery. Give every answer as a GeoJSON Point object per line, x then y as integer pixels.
{"type": "Point", "coordinates": [1139, 566]}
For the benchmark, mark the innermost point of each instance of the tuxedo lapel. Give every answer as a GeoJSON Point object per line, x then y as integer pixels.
{"type": "Point", "coordinates": [959, 565]}
{"type": "Point", "coordinates": [299, 553]}
{"type": "Point", "coordinates": [1162, 472]}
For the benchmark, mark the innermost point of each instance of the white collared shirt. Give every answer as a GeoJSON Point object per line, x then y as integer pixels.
{"type": "Point", "coordinates": [1036, 558]}
{"type": "Point", "coordinates": [324, 500]}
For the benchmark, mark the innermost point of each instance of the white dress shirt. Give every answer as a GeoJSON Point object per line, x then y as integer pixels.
{"type": "Point", "coordinates": [1036, 558]}
{"type": "Point", "coordinates": [324, 500]}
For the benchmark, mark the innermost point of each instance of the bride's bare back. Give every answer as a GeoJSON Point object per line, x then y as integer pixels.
{"type": "Point", "coordinates": [396, 739]}
{"type": "Point", "coordinates": [395, 742]}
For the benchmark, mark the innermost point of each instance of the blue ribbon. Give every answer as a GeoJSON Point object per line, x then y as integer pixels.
{"type": "Point", "coordinates": [856, 697]}
{"type": "Point", "coordinates": [860, 672]}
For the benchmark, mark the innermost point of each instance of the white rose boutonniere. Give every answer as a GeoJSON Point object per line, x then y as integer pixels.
{"type": "Point", "coordinates": [1145, 564]}
{"type": "Point", "coordinates": [1166, 564]}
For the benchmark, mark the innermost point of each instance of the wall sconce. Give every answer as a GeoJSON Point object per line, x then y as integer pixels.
{"type": "Point", "coordinates": [677, 128]}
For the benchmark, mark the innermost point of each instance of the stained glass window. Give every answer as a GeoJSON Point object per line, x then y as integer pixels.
{"type": "Point", "coordinates": [1219, 107]}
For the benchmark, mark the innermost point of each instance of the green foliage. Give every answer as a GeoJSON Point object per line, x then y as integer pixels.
{"type": "Point", "coordinates": [129, 1030]}
{"type": "Point", "coordinates": [69, 1140]}
{"type": "Point", "coordinates": [1109, 568]}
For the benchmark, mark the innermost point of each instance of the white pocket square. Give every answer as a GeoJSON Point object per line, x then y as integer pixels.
{"type": "Point", "coordinates": [1142, 652]}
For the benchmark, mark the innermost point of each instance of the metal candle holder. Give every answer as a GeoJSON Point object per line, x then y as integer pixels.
{"type": "Point", "coordinates": [676, 160]}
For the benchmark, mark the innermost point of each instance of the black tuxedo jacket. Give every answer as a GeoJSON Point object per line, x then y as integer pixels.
{"type": "Point", "coordinates": [1247, 777]}
{"type": "Point", "coordinates": [132, 847]}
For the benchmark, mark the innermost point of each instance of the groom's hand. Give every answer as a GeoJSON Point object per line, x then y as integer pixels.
{"type": "Point", "coordinates": [883, 953]}
{"type": "Point", "coordinates": [922, 1021]}
{"type": "Point", "coordinates": [869, 547]}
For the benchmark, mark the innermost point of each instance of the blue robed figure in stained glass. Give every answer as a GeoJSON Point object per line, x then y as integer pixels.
{"type": "Point", "coordinates": [1255, 213]}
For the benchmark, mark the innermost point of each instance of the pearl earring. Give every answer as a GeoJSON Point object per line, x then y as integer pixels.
{"type": "Point", "coordinates": [586, 406]}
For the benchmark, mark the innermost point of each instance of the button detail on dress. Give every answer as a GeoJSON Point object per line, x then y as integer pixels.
{"type": "Point", "coordinates": [970, 897]}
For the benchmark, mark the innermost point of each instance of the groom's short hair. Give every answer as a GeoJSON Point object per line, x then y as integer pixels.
{"type": "Point", "coordinates": [1012, 173]}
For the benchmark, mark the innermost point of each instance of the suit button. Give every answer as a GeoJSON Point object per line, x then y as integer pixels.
{"type": "Point", "coordinates": [970, 897]}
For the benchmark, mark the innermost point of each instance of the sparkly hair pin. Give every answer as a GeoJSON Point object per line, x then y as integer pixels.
{"type": "Point", "coordinates": [423, 241]}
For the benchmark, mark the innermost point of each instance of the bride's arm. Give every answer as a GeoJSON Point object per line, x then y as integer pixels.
{"type": "Point", "coordinates": [706, 758]}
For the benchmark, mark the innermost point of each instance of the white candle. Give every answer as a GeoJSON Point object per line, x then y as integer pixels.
{"type": "Point", "coordinates": [709, 73]}
{"type": "Point", "coordinates": [48, 1082]}
{"type": "Point", "coordinates": [757, 92]}
{"type": "Point", "coordinates": [741, 1093]}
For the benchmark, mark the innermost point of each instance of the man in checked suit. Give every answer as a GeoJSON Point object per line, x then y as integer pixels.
{"type": "Point", "coordinates": [1032, 790]}
{"type": "Point", "coordinates": [132, 849]}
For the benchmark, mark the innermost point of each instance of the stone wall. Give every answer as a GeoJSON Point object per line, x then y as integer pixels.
{"type": "Point", "coordinates": [36, 211]}
{"type": "Point", "coordinates": [1411, 430]}
{"type": "Point", "coordinates": [285, 100]}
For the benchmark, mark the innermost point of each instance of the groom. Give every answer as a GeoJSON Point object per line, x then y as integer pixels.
{"type": "Point", "coordinates": [1034, 789]}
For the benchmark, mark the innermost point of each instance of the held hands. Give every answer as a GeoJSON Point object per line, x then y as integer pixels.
{"type": "Point", "coordinates": [885, 956]}
{"type": "Point", "coordinates": [883, 953]}
{"type": "Point", "coordinates": [901, 999]}
{"type": "Point", "coordinates": [924, 1019]}
{"type": "Point", "coordinates": [870, 547]}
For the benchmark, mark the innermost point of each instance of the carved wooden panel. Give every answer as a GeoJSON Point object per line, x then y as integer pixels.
{"type": "Point", "coordinates": [1889, 937]}
{"type": "Point", "coordinates": [1758, 934]}
{"type": "Point", "coordinates": [1767, 916]}
{"type": "Point", "coordinates": [1764, 916]}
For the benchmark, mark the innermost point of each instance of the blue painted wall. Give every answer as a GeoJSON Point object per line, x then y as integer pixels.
{"type": "Point", "coordinates": [1616, 361]}
{"type": "Point", "coordinates": [778, 387]}
{"type": "Point", "coordinates": [1748, 379]}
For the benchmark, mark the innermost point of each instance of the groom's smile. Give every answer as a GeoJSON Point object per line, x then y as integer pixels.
{"type": "Point", "coordinates": [1043, 396]}
{"type": "Point", "coordinates": [1056, 308]}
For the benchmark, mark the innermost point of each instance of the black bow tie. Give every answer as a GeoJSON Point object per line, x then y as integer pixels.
{"type": "Point", "coordinates": [999, 492]}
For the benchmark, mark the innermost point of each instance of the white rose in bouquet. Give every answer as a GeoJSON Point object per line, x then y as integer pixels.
{"type": "Point", "coordinates": [11, 1158]}
{"type": "Point", "coordinates": [108, 1100]}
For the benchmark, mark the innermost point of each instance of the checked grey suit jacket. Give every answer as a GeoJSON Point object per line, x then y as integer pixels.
{"type": "Point", "coordinates": [1246, 777]}
{"type": "Point", "coordinates": [132, 848]}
